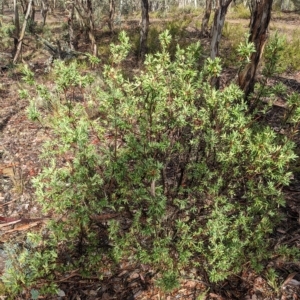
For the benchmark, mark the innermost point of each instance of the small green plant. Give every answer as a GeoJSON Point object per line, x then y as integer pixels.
{"type": "Point", "coordinates": [171, 173]}
{"type": "Point", "coordinates": [169, 281]}
{"type": "Point", "coordinates": [273, 281]}
{"type": "Point", "coordinates": [288, 253]}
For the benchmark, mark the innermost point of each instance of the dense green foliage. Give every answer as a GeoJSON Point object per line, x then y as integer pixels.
{"type": "Point", "coordinates": [162, 170]}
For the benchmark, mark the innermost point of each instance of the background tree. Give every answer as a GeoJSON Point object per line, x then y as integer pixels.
{"type": "Point", "coordinates": [144, 29]}
{"type": "Point", "coordinates": [218, 24]}
{"type": "Point", "coordinates": [17, 26]}
{"type": "Point", "coordinates": [73, 43]}
{"type": "Point", "coordinates": [111, 18]}
{"type": "Point", "coordinates": [85, 14]}
{"type": "Point", "coordinates": [260, 19]}
{"type": "Point", "coordinates": [44, 10]}
{"type": "Point", "coordinates": [22, 34]}
{"type": "Point", "coordinates": [219, 19]}
{"type": "Point", "coordinates": [205, 20]}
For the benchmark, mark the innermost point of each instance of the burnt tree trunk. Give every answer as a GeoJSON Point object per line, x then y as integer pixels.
{"type": "Point", "coordinates": [144, 29]}
{"type": "Point", "coordinates": [260, 20]}
{"type": "Point", "coordinates": [205, 20]}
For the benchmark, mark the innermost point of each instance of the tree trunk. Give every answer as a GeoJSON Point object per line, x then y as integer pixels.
{"type": "Point", "coordinates": [20, 41]}
{"type": "Point", "coordinates": [72, 40]}
{"type": "Point", "coordinates": [205, 20]}
{"type": "Point", "coordinates": [1, 7]}
{"type": "Point", "coordinates": [32, 17]}
{"type": "Point", "coordinates": [217, 28]}
{"type": "Point", "coordinates": [218, 24]}
{"type": "Point", "coordinates": [91, 28]}
{"type": "Point", "coordinates": [44, 10]}
{"type": "Point", "coordinates": [144, 29]}
{"type": "Point", "coordinates": [260, 20]}
{"type": "Point", "coordinates": [85, 14]}
{"type": "Point", "coordinates": [24, 6]}
{"type": "Point", "coordinates": [111, 18]}
{"type": "Point", "coordinates": [17, 27]}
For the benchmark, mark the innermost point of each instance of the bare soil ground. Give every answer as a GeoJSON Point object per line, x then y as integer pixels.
{"type": "Point", "coordinates": [20, 145]}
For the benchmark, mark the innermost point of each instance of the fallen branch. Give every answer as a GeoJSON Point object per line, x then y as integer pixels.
{"type": "Point", "coordinates": [57, 52]}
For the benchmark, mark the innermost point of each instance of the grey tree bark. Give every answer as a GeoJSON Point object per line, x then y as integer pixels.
{"type": "Point", "coordinates": [217, 27]}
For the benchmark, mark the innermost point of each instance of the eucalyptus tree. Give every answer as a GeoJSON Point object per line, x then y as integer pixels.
{"type": "Point", "coordinates": [205, 20]}
{"type": "Point", "coordinates": [44, 10]}
{"type": "Point", "coordinates": [22, 33]}
{"type": "Point", "coordinates": [111, 17]}
{"type": "Point", "coordinates": [85, 14]}
{"type": "Point", "coordinates": [216, 32]}
{"type": "Point", "coordinates": [144, 29]}
{"type": "Point", "coordinates": [219, 19]}
{"type": "Point", "coordinates": [17, 26]}
{"type": "Point", "coordinates": [260, 19]}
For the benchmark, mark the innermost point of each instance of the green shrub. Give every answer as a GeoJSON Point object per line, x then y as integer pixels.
{"type": "Point", "coordinates": [171, 173]}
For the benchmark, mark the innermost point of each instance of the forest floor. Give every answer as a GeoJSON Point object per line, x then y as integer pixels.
{"type": "Point", "coordinates": [20, 146]}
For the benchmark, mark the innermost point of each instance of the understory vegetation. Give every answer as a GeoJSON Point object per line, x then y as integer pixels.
{"type": "Point", "coordinates": [160, 169]}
